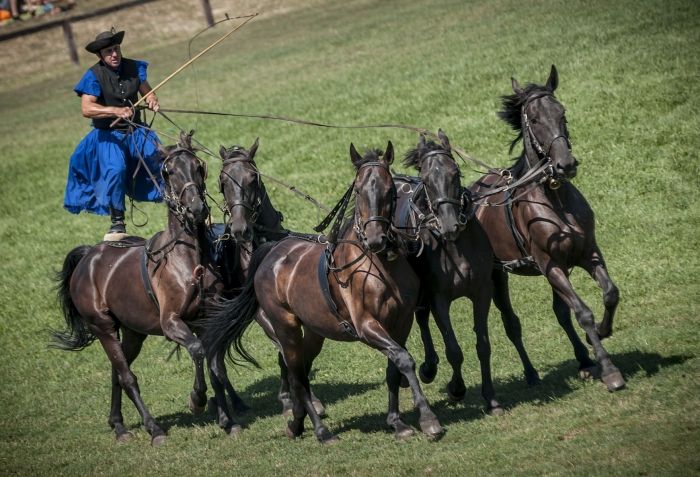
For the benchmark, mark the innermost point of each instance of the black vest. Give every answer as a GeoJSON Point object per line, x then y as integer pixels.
{"type": "Point", "coordinates": [119, 88]}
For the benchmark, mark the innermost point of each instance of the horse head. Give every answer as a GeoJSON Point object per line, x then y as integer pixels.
{"type": "Point", "coordinates": [185, 175]}
{"type": "Point", "coordinates": [541, 120]}
{"type": "Point", "coordinates": [375, 197]}
{"type": "Point", "coordinates": [240, 184]}
{"type": "Point", "coordinates": [440, 176]}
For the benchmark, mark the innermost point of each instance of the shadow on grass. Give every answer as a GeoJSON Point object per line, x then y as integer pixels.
{"type": "Point", "coordinates": [557, 381]}
{"type": "Point", "coordinates": [261, 396]}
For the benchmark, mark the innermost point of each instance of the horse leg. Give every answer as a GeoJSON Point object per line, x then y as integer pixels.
{"type": "Point", "coordinates": [393, 381]}
{"type": "Point", "coordinates": [313, 343]}
{"type": "Point", "coordinates": [428, 370]}
{"type": "Point", "coordinates": [220, 383]}
{"type": "Point", "coordinates": [511, 323]}
{"type": "Point", "coordinates": [175, 329]}
{"type": "Point", "coordinates": [481, 304]}
{"type": "Point", "coordinates": [595, 266]}
{"type": "Point", "coordinates": [586, 367]}
{"type": "Point", "coordinates": [290, 338]}
{"type": "Point", "coordinates": [131, 347]}
{"type": "Point", "coordinates": [373, 334]}
{"type": "Point", "coordinates": [128, 382]}
{"type": "Point", "coordinates": [441, 311]}
{"type": "Point", "coordinates": [239, 406]}
{"type": "Point", "coordinates": [610, 375]}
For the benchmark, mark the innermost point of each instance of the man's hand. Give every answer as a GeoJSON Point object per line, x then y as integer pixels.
{"type": "Point", "coordinates": [123, 113]}
{"type": "Point", "coordinates": [152, 102]}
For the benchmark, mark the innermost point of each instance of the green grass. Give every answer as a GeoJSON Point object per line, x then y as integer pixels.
{"type": "Point", "coordinates": [629, 80]}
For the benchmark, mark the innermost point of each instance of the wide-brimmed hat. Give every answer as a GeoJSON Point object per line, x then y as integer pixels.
{"type": "Point", "coordinates": [105, 40]}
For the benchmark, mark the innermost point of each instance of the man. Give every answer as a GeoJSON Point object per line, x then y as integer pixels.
{"type": "Point", "coordinates": [111, 160]}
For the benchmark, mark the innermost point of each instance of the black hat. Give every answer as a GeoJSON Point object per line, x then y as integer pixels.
{"type": "Point", "coordinates": [105, 40]}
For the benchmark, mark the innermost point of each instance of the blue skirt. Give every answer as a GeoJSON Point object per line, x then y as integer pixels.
{"type": "Point", "coordinates": [102, 167]}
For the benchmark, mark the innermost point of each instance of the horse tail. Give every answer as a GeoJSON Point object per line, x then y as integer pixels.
{"type": "Point", "coordinates": [226, 320]}
{"type": "Point", "coordinates": [76, 336]}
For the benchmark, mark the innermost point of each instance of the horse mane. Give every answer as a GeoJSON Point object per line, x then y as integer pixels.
{"type": "Point", "coordinates": [511, 108]}
{"type": "Point", "coordinates": [235, 150]}
{"type": "Point", "coordinates": [412, 157]}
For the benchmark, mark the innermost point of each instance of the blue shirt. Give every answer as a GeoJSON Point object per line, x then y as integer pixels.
{"type": "Point", "coordinates": [89, 84]}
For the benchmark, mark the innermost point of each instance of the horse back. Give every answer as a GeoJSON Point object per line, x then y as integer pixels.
{"type": "Point", "coordinates": [287, 287]}
{"type": "Point", "coordinates": [106, 288]}
{"type": "Point", "coordinates": [553, 224]}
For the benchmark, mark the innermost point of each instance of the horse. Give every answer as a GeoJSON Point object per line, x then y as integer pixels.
{"type": "Point", "coordinates": [138, 288]}
{"type": "Point", "coordinates": [345, 289]}
{"type": "Point", "coordinates": [547, 227]}
{"type": "Point", "coordinates": [454, 260]}
{"type": "Point", "coordinates": [250, 220]}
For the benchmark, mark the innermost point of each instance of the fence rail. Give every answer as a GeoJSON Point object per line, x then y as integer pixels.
{"type": "Point", "coordinates": [65, 23]}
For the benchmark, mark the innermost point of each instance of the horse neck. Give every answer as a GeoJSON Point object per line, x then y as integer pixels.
{"type": "Point", "coordinates": [269, 217]}
{"type": "Point", "coordinates": [178, 231]}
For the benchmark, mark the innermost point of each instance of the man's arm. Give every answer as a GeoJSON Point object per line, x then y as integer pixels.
{"type": "Point", "coordinates": [92, 109]}
{"type": "Point", "coordinates": [151, 99]}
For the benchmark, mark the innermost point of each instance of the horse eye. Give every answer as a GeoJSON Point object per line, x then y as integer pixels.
{"type": "Point", "coordinates": [533, 121]}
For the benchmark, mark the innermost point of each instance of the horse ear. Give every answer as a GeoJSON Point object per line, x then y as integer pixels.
{"type": "Point", "coordinates": [253, 148]}
{"type": "Point", "coordinates": [389, 153]}
{"type": "Point", "coordinates": [553, 80]}
{"type": "Point", "coordinates": [444, 140]}
{"type": "Point", "coordinates": [421, 141]}
{"type": "Point", "coordinates": [222, 152]}
{"type": "Point", "coordinates": [355, 156]}
{"type": "Point", "coordinates": [186, 139]}
{"type": "Point", "coordinates": [516, 86]}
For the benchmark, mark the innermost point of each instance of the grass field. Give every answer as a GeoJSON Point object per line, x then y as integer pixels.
{"type": "Point", "coordinates": [629, 78]}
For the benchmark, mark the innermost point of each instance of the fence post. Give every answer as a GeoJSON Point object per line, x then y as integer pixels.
{"type": "Point", "coordinates": [207, 12]}
{"type": "Point", "coordinates": [68, 35]}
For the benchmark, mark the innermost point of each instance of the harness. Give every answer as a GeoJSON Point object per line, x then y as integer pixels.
{"type": "Point", "coordinates": [526, 263]}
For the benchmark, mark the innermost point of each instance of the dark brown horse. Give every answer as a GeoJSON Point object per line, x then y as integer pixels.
{"type": "Point", "coordinates": [135, 289]}
{"type": "Point", "coordinates": [250, 220]}
{"type": "Point", "coordinates": [345, 290]}
{"type": "Point", "coordinates": [547, 227]}
{"type": "Point", "coordinates": [453, 260]}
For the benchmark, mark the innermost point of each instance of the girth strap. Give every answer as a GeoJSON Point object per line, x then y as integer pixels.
{"type": "Point", "coordinates": [526, 261]}
{"type": "Point", "coordinates": [144, 272]}
{"type": "Point", "coordinates": [323, 270]}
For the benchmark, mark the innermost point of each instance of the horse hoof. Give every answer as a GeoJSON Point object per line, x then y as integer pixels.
{"type": "Point", "coordinates": [455, 397]}
{"type": "Point", "coordinates": [319, 407]}
{"type": "Point", "coordinates": [196, 409]}
{"type": "Point", "coordinates": [426, 374]}
{"type": "Point", "coordinates": [496, 411]}
{"type": "Point", "coordinates": [325, 437]}
{"type": "Point", "coordinates": [235, 431]}
{"type": "Point", "coordinates": [431, 428]}
{"type": "Point", "coordinates": [158, 440]}
{"type": "Point", "coordinates": [614, 381]}
{"type": "Point", "coordinates": [404, 433]}
{"type": "Point", "coordinates": [588, 373]}
{"type": "Point", "coordinates": [124, 437]}
{"type": "Point", "coordinates": [290, 432]}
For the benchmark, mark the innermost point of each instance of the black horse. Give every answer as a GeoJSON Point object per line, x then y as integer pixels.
{"type": "Point", "coordinates": [453, 259]}
{"type": "Point", "coordinates": [545, 226]}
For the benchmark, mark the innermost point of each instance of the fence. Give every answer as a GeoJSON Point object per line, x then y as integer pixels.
{"type": "Point", "coordinates": [65, 23]}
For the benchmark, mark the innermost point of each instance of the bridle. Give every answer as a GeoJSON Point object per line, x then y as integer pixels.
{"type": "Point", "coordinates": [554, 179]}
{"type": "Point", "coordinates": [434, 205]}
{"type": "Point", "coordinates": [254, 206]}
{"type": "Point", "coordinates": [173, 201]}
{"type": "Point", "coordinates": [360, 225]}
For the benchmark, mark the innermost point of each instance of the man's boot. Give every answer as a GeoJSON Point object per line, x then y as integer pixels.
{"type": "Point", "coordinates": [117, 231]}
